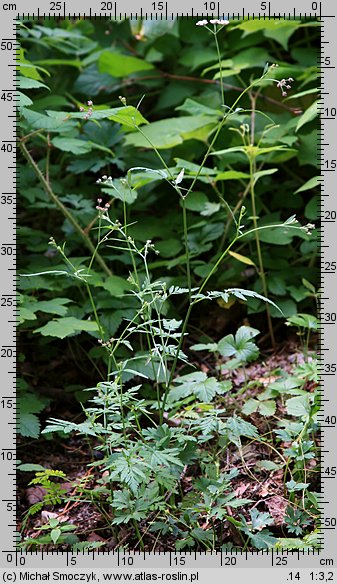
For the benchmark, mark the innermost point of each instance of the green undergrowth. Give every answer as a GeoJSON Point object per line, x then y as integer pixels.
{"type": "Point", "coordinates": [169, 170]}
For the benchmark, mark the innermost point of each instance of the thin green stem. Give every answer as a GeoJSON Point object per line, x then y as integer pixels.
{"type": "Point", "coordinates": [220, 69]}
{"type": "Point", "coordinates": [93, 306]}
{"type": "Point", "coordinates": [252, 170]}
{"type": "Point", "coordinates": [188, 267]}
{"type": "Point", "coordinates": [63, 209]}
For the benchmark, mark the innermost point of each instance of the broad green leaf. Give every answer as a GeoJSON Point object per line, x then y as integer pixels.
{"type": "Point", "coordinates": [72, 145]}
{"type": "Point", "coordinates": [253, 151]}
{"type": "Point", "coordinates": [312, 183]}
{"type": "Point", "coordinates": [58, 62]}
{"type": "Point", "coordinates": [29, 467]}
{"type": "Point", "coordinates": [121, 190]}
{"type": "Point", "coordinates": [312, 208]}
{"type": "Point", "coordinates": [250, 406]}
{"type": "Point", "coordinates": [198, 384]}
{"type": "Point", "coordinates": [211, 347]}
{"type": "Point", "coordinates": [193, 59]}
{"type": "Point", "coordinates": [55, 534]}
{"type": "Point", "coordinates": [116, 285]}
{"type": "Point", "coordinates": [231, 175]}
{"type": "Point", "coordinates": [241, 346]}
{"type": "Point", "coordinates": [268, 465]}
{"type": "Point", "coordinates": [169, 248]}
{"type": "Point", "coordinates": [267, 408]}
{"type": "Point", "coordinates": [154, 29]}
{"type": "Point", "coordinates": [64, 327]}
{"type": "Point", "coordinates": [125, 115]}
{"type": "Point", "coordinates": [278, 30]}
{"type": "Point", "coordinates": [298, 406]}
{"type": "Point", "coordinates": [55, 306]}
{"type": "Point", "coordinates": [237, 427]}
{"type": "Point", "coordinates": [302, 93]}
{"type": "Point", "coordinates": [28, 83]}
{"type": "Point", "coordinates": [310, 114]}
{"type": "Point", "coordinates": [253, 57]}
{"type": "Point", "coordinates": [285, 307]}
{"type": "Point", "coordinates": [29, 425]}
{"type": "Point", "coordinates": [59, 123]}
{"type": "Point", "coordinates": [292, 543]}
{"type": "Point", "coordinates": [119, 65]}
{"type": "Point", "coordinates": [172, 131]}
{"type": "Point", "coordinates": [26, 313]}
{"type": "Point", "coordinates": [209, 209]}
{"type": "Point", "coordinates": [261, 173]}
{"type": "Point", "coordinates": [23, 100]}
{"type": "Point", "coordinates": [195, 108]}
{"type": "Point", "coordinates": [27, 69]}
{"type": "Point", "coordinates": [263, 540]}
{"type": "Point", "coordinates": [307, 151]}
{"type": "Point", "coordinates": [304, 320]}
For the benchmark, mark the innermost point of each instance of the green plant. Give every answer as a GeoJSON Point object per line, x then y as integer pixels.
{"type": "Point", "coordinates": [167, 234]}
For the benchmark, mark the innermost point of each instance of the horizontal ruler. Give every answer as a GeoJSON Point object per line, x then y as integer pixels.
{"type": "Point", "coordinates": [310, 559]}
{"type": "Point", "coordinates": [160, 10]}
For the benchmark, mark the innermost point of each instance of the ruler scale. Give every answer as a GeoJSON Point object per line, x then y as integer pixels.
{"type": "Point", "coordinates": [281, 566]}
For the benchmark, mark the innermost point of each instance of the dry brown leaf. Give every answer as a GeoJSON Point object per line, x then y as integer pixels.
{"type": "Point", "coordinates": [277, 508]}
{"type": "Point", "coordinates": [35, 495]}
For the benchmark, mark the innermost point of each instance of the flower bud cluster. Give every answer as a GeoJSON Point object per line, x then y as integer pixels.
{"type": "Point", "coordinates": [88, 112]}
{"type": "Point", "coordinates": [108, 344]}
{"type": "Point", "coordinates": [100, 208]}
{"type": "Point", "coordinates": [284, 85]}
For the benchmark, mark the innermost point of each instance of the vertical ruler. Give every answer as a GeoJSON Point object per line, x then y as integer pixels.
{"type": "Point", "coordinates": [8, 253]}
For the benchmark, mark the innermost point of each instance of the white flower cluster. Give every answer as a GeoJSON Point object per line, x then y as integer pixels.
{"type": "Point", "coordinates": [214, 21]}
{"type": "Point", "coordinates": [105, 179]}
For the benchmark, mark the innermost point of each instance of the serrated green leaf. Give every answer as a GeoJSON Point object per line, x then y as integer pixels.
{"type": "Point", "coordinates": [250, 406]}
{"type": "Point", "coordinates": [198, 384]}
{"type": "Point", "coordinates": [263, 540]}
{"type": "Point", "coordinates": [298, 406]}
{"type": "Point", "coordinates": [267, 408]}
{"type": "Point", "coordinates": [29, 425]}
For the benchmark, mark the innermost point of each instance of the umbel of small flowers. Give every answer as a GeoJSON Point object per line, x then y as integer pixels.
{"type": "Point", "coordinates": [214, 21]}
{"type": "Point", "coordinates": [284, 85]}
{"type": "Point", "coordinates": [100, 208]}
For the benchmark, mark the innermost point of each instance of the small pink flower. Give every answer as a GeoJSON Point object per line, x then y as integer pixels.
{"type": "Point", "coordinates": [90, 102]}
